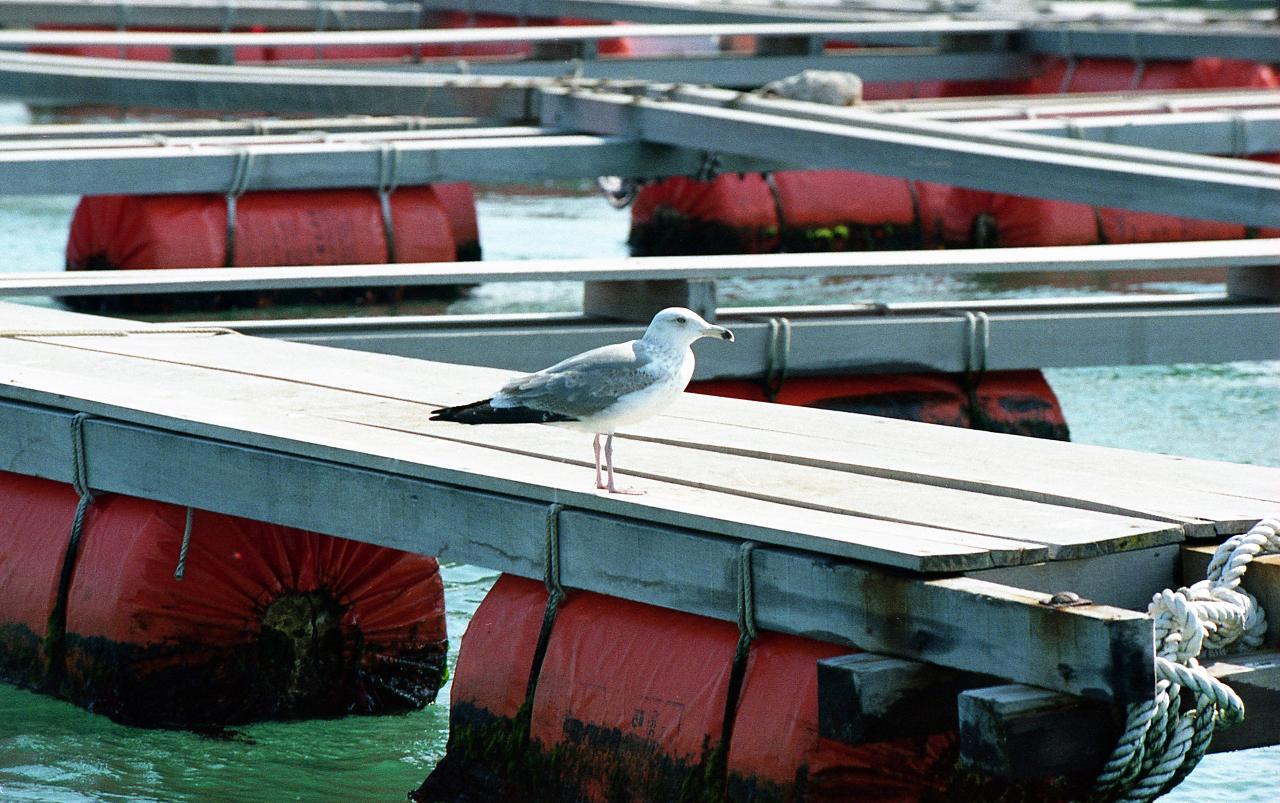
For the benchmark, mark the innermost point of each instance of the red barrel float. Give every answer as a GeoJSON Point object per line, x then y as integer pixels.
{"type": "Point", "coordinates": [631, 702]}
{"type": "Point", "coordinates": [1013, 402]}
{"type": "Point", "coordinates": [1124, 75]}
{"type": "Point", "coordinates": [812, 210]}
{"type": "Point", "coordinates": [294, 227]}
{"type": "Point", "coordinates": [268, 622]}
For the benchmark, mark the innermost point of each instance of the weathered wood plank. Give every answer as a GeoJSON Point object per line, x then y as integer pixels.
{"type": "Point", "coordinates": [1025, 733]}
{"type": "Point", "coordinates": [1124, 578]}
{"type": "Point", "coordinates": [1261, 579]}
{"type": "Point", "coordinates": [954, 622]}
{"type": "Point", "coordinates": [866, 697]}
{"type": "Point", "coordinates": [1020, 732]}
{"type": "Point", "coordinates": [879, 447]}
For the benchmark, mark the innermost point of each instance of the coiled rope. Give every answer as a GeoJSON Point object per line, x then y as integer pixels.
{"type": "Point", "coordinates": [1162, 743]}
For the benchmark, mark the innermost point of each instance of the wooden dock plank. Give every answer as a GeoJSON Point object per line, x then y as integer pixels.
{"type": "Point", "coordinates": [947, 457]}
{"type": "Point", "coordinates": [1066, 533]}
{"type": "Point", "coordinates": [216, 405]}
{"type": "Point", "coordinates": [861, 444]}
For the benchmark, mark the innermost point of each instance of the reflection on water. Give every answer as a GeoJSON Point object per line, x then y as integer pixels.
{"type": "Point", "coordinates": [52, 751]}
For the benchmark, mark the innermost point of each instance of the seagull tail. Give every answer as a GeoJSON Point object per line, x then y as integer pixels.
{"type": "Point", "coordinates": [482, 412]}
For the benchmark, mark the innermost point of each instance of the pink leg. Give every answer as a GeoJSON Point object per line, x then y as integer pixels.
{"type": "Point", "coordinates": [608, 458]}
{"type": "Point", "coordinates": [595, 444]}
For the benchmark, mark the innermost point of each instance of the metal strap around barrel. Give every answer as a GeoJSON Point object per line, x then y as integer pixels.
{"type": "Point", "coordinates": [239, 183]}
{"type": "Point", "coordinates": [388, 180]}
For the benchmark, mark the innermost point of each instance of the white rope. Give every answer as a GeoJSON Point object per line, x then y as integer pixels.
{"type": "Point", "coordinates": [1162, 742]}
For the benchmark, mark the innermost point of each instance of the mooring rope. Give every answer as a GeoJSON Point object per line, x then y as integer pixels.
{"type": "Point", "coordinates": [777, 356]}
{"type": "Point", "coordinates": [551, 556]}
{"type": "Point", "coordinates": [1162, 743]}
{"type": "Point", "coordinates": [180, 570]}
{"type": "Point", "coordinates": [746, 593]}
{"type": "Point", "coordinates": [239, 183]}
{"type": "Point", "coordinates": [55, 641]}
{"type": "Point", "coordinates": [388, 181]}
{"type": "Point", "coordinates": [555, 594]}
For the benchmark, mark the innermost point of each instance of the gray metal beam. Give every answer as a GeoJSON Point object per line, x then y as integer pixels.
{"type": "Point", "coordinates": [1199, 192]}
{"type": "Point", "coordinates": [752, 71]}
{"type": "Point", "coordinates": [1024, 107]}
{"type": "Point", "coordinates": [43, 78]}
{"type": "Point", "coordinates": [969, 135]}
{"type": "Point", "coordinates": [214, 14]}
{"type": "Point", "coordinates": [1242, 133]}
{"type": "Point", "coordinates": [910, 33]}
{"type": "Point", "coordinates": [878, 339]}
{"type": "Point", "coordinates": [1147, 42]}
{"type": "Point", "coordinates": [657, 11]}
{"type": "Point", "coordinates": [1061, 259]}
{"type": "Point", "coordinates": [155, 131]}
{"type": "Point", "coordinates": [159, 169]}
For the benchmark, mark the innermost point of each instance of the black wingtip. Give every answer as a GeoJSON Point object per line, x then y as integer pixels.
{"type": "Point", "coordinates": [482, 412]}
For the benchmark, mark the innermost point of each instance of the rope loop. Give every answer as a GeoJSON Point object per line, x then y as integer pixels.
{"type": "Point", "coordinates": [1139, 60]}
{"type": "Point", "coordinates": [239, 183]}
{"type": "Point", "coordinates": [79, 469]}
{"type": "Point", "coordinates": [1165, 738]}
{"type": "Point", "coordinates": [388, 180]}
{"type": "Point", "coordinates": [551, 555]}
{"type": "Point", "coordinates": [709, 167]}
{"type": "Point", "coordinates": [746, 592]}
{"type": "Point", "coordinates": [1239, 135]}
{"type": "Point", "coordinates": [1069, 73]}
{"type": "Point", "coordinates": [777, 357]}
{"type": "Point", "coordinates": [976, 345]}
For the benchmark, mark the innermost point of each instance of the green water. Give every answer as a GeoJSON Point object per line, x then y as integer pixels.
{"type": "Point", "coordinates": [52, 751]}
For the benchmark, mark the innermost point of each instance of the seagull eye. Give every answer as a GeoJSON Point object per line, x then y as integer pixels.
{"type": "Point", "coordinates": [682, 320]}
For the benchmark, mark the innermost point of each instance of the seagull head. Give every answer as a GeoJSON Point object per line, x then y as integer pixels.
{"type": "Point", "coordinates": [677, 326]}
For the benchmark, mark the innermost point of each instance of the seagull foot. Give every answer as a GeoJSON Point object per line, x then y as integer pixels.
{"type": "Point", "coordinates": [625, 490]}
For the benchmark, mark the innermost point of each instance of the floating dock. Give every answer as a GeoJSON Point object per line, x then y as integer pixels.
{"type": "Point", "coordinates": [980, 596]}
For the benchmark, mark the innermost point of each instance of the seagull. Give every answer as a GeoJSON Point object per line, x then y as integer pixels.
{"type": "Point", "coordinates": [602, 389]}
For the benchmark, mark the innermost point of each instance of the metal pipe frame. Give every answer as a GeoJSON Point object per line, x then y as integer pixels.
{"type": "Point", "coordinates": [841, 340]}
{"type": "Point", "coordinates": [316, 165]}
{"type": "Point", "coordinates": [215, 14]}
{"type": "Point", "coordinates": [1108, 175]}
{"type": "Point", "coordinates": [1145, 257]}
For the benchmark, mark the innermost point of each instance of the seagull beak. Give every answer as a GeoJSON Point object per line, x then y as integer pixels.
{"type": "Point", "coordinates": [718, 331]}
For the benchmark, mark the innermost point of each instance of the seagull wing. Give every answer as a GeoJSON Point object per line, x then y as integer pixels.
{"type": "Point", "coordinates": [581, 386]}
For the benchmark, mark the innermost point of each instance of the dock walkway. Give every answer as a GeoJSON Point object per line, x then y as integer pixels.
{"type": "Point", "coordinates": [858, 519]}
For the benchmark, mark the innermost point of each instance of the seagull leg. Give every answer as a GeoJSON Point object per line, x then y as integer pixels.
{"type": "Point", "coordinates": [608, 458]}
{"type": "Point", "coordinates": [595, 444]}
